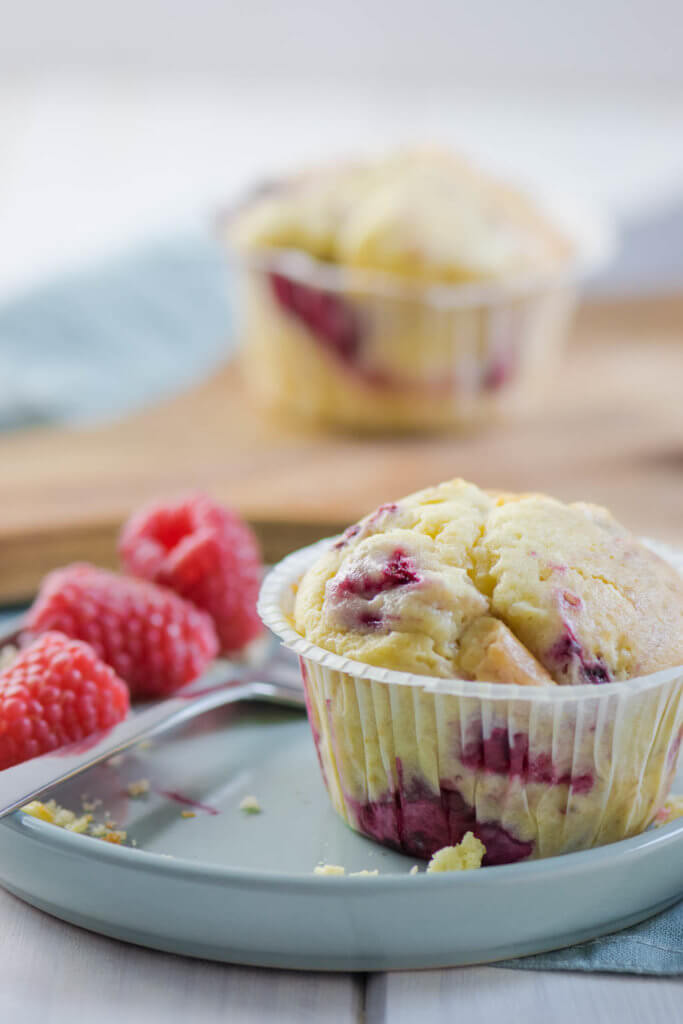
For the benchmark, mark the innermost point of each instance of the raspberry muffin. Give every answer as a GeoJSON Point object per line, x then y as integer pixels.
{"type": "Point", "coordinates": [408, 292]}
{"type": "Point", "coordinates": [502, 664]}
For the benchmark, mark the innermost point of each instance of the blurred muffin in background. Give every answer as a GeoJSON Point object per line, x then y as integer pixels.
{"type": "Point", "coordinates": [425, 215]}
{"type": "Point", "coordinates": [410, 292]}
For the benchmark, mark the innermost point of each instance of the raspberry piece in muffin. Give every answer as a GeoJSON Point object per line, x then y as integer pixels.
{"type": "Point", "coordinates": [327, 316]}
{"type": "Point", "coordinates": [56, 691]}
{"type": "Point", "coordinates": [204, 552]}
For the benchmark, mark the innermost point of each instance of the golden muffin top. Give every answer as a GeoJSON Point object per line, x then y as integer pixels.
{"type": "Point", "coordinates": [455, 581]}
{"type": "Point", "coordinates": [425, 215]}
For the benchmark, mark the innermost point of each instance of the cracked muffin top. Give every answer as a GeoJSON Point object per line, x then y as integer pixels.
{"type": "Point", "coordinates": [458, 582]}
{"type": "Point", "coordinates": [422, 214]}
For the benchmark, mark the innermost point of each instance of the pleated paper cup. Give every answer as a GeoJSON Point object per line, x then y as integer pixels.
{"type": "Point", "coordinates": [415, 761]}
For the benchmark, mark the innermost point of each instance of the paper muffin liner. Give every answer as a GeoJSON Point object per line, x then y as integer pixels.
{"type": "Point", "coordinates": [414, 762]}
{"type": "Point", "coordinates": [367, 351]}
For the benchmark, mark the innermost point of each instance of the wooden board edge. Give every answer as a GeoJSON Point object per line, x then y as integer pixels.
{"type": "Point", "coordinates": [26, 560]}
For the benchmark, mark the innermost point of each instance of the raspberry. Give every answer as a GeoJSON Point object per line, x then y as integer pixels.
{"type": "Point", "coordinates": [205, 553]}
{"type": "Point", "coordinates": [56, 691]}
{"type": "Point", "coordinates": [150, 636]}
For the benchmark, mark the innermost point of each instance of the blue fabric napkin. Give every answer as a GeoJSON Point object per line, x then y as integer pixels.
{"type": "Point", "coordinates": [653, 947]}
{"type": "Point", "coordinates": [102, 342]}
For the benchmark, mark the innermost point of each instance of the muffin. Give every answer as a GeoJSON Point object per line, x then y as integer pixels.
{"type": "Point", "coordinates": [425, 215]}
{"type": "Point", "coordinates": [404, 293]}
{"type": "Point", "coordinates": [502, 664]}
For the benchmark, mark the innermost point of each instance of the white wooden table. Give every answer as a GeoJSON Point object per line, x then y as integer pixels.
{"type": "Point", "coordinates": [50, 972]}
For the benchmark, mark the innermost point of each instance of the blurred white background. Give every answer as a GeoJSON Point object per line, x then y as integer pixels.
{"type": "Point", "coordinates": [121, 121]}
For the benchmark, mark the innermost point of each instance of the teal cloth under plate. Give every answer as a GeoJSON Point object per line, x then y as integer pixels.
{"type": "Point", "coordinates": [653, 947]}
{"type": "Point", "coordinates": [104, 341]}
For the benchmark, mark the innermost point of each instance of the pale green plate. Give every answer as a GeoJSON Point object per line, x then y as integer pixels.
{"type": "Point", "coordinates": [237, 887]}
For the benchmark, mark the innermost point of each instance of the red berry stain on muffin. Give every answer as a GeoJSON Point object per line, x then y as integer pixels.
{"type": "Point", "coordinates": [383, 510]}
{"type": "Point", "coordinates": [497, 754]}
{"type": "Point", "coordinates": [328, 317]}
{"type": "Point", "coordinates": [500, 371]}
{"type": "Point", "coordinates": [347, 535]}
{"type": "Point", "coordinates": [350, 594]}
{"type": "Point", "coordinates": [569, 658]}
{"type": "Point", "coordinates": [419, 821]}
{"type": "Point", "coordinates": [399, 571]}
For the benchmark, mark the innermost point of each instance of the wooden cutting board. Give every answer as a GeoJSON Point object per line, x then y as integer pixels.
{"type": "Point", "coordinates": [611, 431]}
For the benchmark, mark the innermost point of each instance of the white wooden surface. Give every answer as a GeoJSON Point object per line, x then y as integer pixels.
{"type": "Point", "coordinates": [492, 995]}
{"type": "Point", "coordinates": [50, 970]}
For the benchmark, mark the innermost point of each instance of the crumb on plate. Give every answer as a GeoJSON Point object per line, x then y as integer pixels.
{"type": "Point", "coordinates": [414, 870]}
{"type": "Point", "coordinates": [55, 814]}
{"type": "Point", "coordinates": [329, 870]}
{"type": "Point", "coordinates": [465, 856]}
{"type": "Point", "coordinates": [138, 788]}
{"type": "Point", "coordinates": [364, 873]}
{"type": "Point", "coordinates": [250, 805]}
{"type": "Point", "coordinates": [117, 836]}
{"type": "Point", "coordinates": [188, 814]}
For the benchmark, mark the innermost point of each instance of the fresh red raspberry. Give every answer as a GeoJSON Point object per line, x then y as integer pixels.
{"type": "Point", "coordinates": [150, 636]}
{"type": "Point", "coordinates": [56, 691]}
{"type": "Point", "coordinates": [204, 552]}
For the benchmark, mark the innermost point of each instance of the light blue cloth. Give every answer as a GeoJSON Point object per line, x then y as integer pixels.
{"type": "Point", "coordinates": [102, 342]}
{"type": "Point", "coordinates": [653, 947]}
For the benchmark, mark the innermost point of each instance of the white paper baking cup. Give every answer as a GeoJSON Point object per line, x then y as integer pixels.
{"type": "Point", "coordinates": [415, 761]}
{"type": "Point", "coordinates": [432, 355]}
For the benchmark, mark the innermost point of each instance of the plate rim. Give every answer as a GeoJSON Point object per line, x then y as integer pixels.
{"type": "Point", "coordinates": [71, 843]}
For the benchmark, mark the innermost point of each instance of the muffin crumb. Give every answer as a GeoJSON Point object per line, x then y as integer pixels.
{"type": "Point", "coordinates": [465, 856]}
{"type": "Point", "coordinates": [329, 870]}
{"type": "Point", "coordinates": [56, 815]}
{"type": "Point", "coordinates": [250, 805]}
{"type": "Point", "coordinates": [364, 873]}
{"type": "Point", "coordinates": [138, 788]}
{"type": "Point", "coordinates": [188, 814]}
{"type": "Point", "coordinates": [414, 870]}
{"type": "Point", "coordinates": [62, 817]}
{"type": "Point", "coordinates": [116, 836]}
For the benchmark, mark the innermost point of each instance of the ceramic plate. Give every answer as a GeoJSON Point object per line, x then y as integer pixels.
{"type": "Point", "coordinates": [235, 887]}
